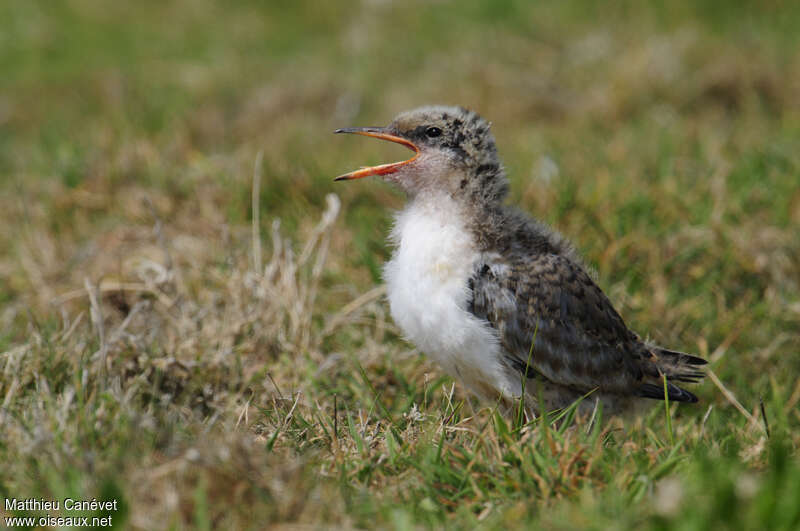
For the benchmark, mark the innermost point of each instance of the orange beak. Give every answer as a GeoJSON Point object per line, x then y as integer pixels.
{"type": "Point", "coordinates": [383, 169]}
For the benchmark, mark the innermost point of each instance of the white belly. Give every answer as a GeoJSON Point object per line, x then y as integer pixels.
{"type": "Point", "coordinates": [427, 284]}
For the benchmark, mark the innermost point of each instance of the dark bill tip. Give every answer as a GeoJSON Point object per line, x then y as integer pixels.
{"type": "Point", "coordinates": [360, 130]}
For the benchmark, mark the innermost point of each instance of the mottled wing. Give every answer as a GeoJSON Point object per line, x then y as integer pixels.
{"type": "Point", "coordinates": [549, 308]}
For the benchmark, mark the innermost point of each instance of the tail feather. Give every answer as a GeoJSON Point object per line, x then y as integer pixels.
{"type": "Point", "coordinates": [677, 367]}
{"type": "Point", "coordinates": [679, 358]}
{"type": "Point", "coordinates": [688, 377]}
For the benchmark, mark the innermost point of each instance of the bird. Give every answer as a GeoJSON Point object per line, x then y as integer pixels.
{"type": "Point", "coordinates": [501, 301]}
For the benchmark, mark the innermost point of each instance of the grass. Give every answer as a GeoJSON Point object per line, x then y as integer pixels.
{"type": "Point", "coordinates": [160, 348]}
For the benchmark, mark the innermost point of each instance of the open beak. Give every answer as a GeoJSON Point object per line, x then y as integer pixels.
{"type": "Point", "coordinates": [383, 169]}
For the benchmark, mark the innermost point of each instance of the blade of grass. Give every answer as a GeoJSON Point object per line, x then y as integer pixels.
{"type": "Point", "coordinates": [666, 411]}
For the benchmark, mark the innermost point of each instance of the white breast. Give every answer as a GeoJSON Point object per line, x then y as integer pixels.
{"type": "Point", "coordinates": [427, 284]}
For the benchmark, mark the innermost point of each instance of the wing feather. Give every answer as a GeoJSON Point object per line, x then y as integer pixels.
{"type": "Point", "coordinates": [550, 308]}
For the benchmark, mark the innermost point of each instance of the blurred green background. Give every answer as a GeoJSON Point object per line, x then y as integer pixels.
{"type": "Point", "coordinates": [662, 138]}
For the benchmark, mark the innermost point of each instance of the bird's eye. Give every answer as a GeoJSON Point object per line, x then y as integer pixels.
{"type": "Point", "coordinates": [433, 132]}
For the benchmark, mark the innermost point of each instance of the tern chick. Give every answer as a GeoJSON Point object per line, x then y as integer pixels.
{"type": "Point", "coordinates": [500, 301]}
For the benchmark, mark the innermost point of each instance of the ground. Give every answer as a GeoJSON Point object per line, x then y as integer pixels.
{"type": "Point", "coordinates": [210, 364]}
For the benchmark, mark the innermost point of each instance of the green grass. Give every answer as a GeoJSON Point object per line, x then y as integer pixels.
{"type": "Point", "coordinates": [200, 392]}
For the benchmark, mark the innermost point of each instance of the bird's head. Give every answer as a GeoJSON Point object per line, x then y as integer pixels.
{"type": "Point", "coordinates": [454, 150]}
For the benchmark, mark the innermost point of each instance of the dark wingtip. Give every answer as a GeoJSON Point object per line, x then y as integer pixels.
{"type": "Point", "coordinates": [674, 393]}
{"type": "Point", "coordinates": [691, 398]}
